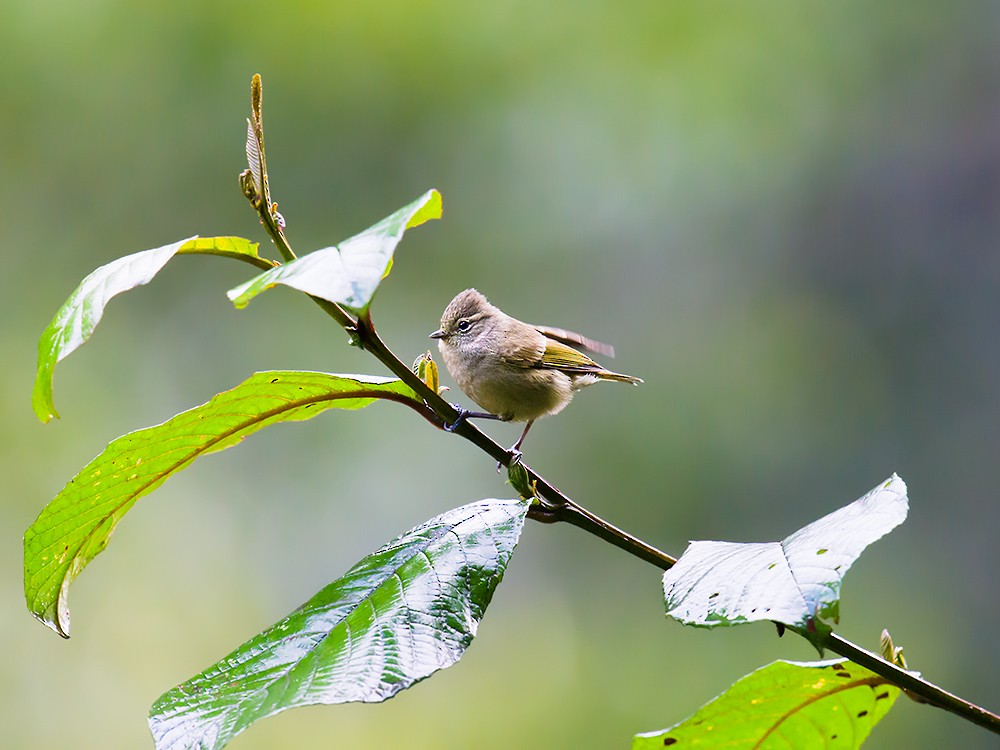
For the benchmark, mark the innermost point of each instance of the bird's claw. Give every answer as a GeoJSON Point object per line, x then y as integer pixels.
{"type": "Point", "coordinates": [463, 414]}
{"type": "Point", "coordinates": [515, 458]}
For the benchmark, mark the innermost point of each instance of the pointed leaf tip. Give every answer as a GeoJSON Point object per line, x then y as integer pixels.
{"type": "Point", "coordinates": [431, 209]}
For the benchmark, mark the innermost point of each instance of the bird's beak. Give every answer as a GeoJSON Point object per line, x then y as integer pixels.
{"type": "Point", "coordinates": [438, 334]}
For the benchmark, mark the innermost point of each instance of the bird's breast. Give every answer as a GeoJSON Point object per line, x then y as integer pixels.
{"type": "Point", "coordinates": [516, 393]}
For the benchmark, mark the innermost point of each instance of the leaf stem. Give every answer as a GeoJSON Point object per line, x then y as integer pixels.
{"type": "Point", "coordinates": [277, 235]}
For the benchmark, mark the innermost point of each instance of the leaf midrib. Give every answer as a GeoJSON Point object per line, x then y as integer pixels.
{"type": "Point", "coordinates": [802, 705]}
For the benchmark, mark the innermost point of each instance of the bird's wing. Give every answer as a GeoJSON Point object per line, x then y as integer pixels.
{"type": "Point", "coordinates": [558, 356]}
{"type": "Point", "coordinates": [522, 347]}
{"type": "Point", "coordinates": [575, 339]}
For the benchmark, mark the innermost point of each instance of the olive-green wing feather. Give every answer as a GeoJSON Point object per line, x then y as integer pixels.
{"type": "Point", "coordinates": [542, 352]}
{"type": "Point", "coordinates": [558, 356]}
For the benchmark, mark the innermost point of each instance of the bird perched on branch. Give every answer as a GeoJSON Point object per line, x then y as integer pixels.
{"type": "Point", "coordinates": [516, 371]}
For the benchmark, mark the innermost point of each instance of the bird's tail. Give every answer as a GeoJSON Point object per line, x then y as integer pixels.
{"type": "Point", "coordinates": [618, 377]}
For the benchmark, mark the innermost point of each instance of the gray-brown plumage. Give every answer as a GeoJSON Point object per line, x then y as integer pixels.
{"type": "Point", "coordinates": [512, 369]}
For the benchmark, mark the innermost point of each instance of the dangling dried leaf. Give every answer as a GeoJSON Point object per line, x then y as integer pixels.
{"type": "Point", "coordinates": [255, 162]}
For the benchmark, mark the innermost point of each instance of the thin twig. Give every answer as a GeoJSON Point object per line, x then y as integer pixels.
{"type": "Point", "coordinates": [582, 518]}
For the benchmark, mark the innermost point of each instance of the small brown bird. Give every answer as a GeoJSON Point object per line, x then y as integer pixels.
{"type": "Point", "coordinates": [516, 371]}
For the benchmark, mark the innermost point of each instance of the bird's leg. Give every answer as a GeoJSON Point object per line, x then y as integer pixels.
{"type": "Point", "coordinates": [515, 452]}
{"type": "Point", "coordinates": [516, 447]}
{"type": "Point", "coordinates": [464, 414]}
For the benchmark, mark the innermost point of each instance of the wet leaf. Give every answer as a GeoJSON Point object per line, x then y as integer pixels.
{"type": "Point", "coordinates": [831, 705]}
{"type": "Point", "coordinates": [75, 321]}
{"type": "Point", "coordinates": [77, 524]}
{"type": "Point", "coordinates": [402, 613]}
{"type": "Point", "coordinates": [795, 582]}
{"type": "Point", "coordinates": [347, 274]}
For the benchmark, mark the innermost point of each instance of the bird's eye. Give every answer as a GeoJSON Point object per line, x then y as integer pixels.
{"type": "Point", "coordinates": [464, 325]}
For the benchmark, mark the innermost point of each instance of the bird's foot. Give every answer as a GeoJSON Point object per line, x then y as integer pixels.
{"type": "Point", "coordinates": [515, 458]}
{"type": "Point", "coordinates": [463, 414]}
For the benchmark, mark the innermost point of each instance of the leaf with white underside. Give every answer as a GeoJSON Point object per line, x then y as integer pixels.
{"type": "Point", "coordinates": [76, 320]}
{"type": "Point", "coordinates": [828, 705]}
{"type": "Point", "coordinates": [402, 613]}
{"type": "Point", "coordinates": [795, 582]}
{"type": "Point", "coordinates": [77, 524]}
{"type": "Point", "coordinates": [347, 274]}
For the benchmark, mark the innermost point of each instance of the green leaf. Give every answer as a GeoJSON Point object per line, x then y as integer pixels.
{"type": "Point", "coordinates": [75, 321]}
{"type": "Point", "coordinates": [347, 274]}
{"type": "Point", "coordinates": [77, 524]}
{"type": "Point", "coordinates": [829, 705]}
{"type": "Point", "coordinates": [396, 617]}
{"type": "Point", "coordinates": [795, 582]}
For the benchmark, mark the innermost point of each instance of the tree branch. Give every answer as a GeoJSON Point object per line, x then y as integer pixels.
{"type": "Point", "coordinates": [555, 507]}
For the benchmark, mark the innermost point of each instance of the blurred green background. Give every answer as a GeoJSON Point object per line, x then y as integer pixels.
{"type": "Point", "coordinates": [785, 216]}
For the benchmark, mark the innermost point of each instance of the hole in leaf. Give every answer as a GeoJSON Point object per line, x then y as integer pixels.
{"type": "Point", "coordinates": [862, 713]}
{"type": "Point", "coordinates": [821, 551]}
{"type": "Point", "coordinates": [669, 741]}
{"type": "Point", "coordinates": [882, 696]}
